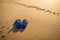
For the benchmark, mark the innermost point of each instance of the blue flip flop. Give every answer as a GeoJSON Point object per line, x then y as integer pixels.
{"type": "Point", "coordinates": [18, 23]}
{"type": "Point", "coordinates": [24, 24]}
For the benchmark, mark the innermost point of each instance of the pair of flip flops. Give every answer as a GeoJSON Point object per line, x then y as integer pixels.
{"type": "Point", "coordinates": [21, 25]}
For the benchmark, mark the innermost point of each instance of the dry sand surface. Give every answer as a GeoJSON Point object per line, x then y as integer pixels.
{"type": "Point", "coordinates": [43, 18]}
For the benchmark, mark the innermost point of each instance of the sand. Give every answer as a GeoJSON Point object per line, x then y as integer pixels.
{"type": "Point", "coordinates": [42, 16]}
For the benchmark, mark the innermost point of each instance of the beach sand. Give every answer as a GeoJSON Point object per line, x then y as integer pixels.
{"type": "Point", "coordinates": [42, 16]}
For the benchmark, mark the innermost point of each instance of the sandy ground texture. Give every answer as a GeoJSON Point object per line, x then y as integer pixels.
{"type": "Point", "coordinates": [43, 18]}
